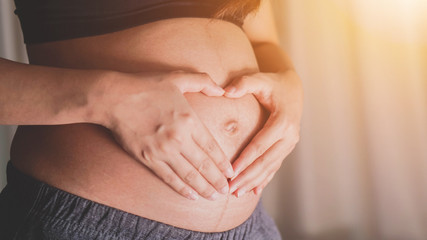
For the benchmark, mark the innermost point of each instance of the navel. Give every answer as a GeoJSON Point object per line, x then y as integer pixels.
{"type": "Point", "coordinates": [231, 127]}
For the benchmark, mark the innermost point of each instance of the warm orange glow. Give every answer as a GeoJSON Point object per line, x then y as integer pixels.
{"type": "Point", "coordinates": [399, 20]}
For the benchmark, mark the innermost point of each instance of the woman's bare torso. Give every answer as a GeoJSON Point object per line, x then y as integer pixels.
{"type": "Point", "coordinates": [85, 160]}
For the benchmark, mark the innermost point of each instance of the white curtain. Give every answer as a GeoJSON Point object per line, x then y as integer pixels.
{"type": "Point", "coordinates": [11, 47]}
{"type": "Point", "coordinates": [360, 169]}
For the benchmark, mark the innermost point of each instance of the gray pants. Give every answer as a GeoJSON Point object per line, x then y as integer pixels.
{"type": "Point", "coordinates": [30, 209]}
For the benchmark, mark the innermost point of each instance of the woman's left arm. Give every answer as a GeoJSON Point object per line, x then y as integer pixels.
{"type": "Point", "coordinates": [278, 88]}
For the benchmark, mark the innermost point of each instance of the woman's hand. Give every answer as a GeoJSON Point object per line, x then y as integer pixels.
{"type": "Point", "coordinates": [151, 119]}
{"type": "Point", "coordinates": [281, 94]}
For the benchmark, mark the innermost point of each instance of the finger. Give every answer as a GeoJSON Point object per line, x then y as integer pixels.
{"type": "Point", "coordinates": [247, 84]}
{"type": "Point", "coordinates": [197, 82]}
{"type": "Point", "coordinates": [259, 170]}
{"type": "Point", "coordinates": [263, 140]}
{"type": "Point", "coordinates": [205, 166]}
{"type": "Point", "coordinates": [203, 138]}
{"type": "Point", "coordinates": [273, 159]}
{"type": "Point", "coordinates": [163, 170]}
{"type": "Point", "coordinates": [258, 190]}
{"type": "Point", "coordinates": [192, 177]}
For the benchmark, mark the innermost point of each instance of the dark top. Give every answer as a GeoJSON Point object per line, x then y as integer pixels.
{"type": "Point", "coordinates": [52, 20]}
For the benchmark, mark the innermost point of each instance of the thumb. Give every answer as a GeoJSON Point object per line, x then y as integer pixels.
{"type": "Point", "coordinates": [238, 87]}
{"type": "Point", "coordinates": [197, 82]}
{"type": "Point", "coordinates": [245, 84]}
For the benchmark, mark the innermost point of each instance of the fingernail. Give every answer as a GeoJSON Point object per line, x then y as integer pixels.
{"type": "Point", "coordinates": [224, 190]}
{"type": "Point", "coordinates": [241, 192]}
{"type": "Point", "coordinates": [232, 189]}
{"type": "Point", "coordinates": [229, 172]}
{"type": "Point", "coordinates": [230, 89]}
{"type": "Point", "coordinates": [214, 196]}
{"type": "Point", "coordinates": [192, 196]}
{"type": "Point", "coordinates": [236, 169]}
{"type": "Point", "coordinates": [219, 90]}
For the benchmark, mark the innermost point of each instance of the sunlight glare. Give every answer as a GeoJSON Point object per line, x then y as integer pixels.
{"type": "Point", "coordinates": [403, 20]}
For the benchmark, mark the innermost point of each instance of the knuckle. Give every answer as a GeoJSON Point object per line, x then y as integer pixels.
{"type": "Point", "coordinates": [205, 77]}
{"type": "Point", "coordinates": [266, 174]}
{"type": "Point", "coordinates": [187, 118]}
{"type": "Point", "coordinates": [204, 165]}
{"type": "Point", "coordinates": [204, 74]}
{"type": "Point", "coordinates": [261, 178]}
{"type": "Point", "coordinates": [190, 176]}
{"type": "Point", "coordinates": [163, 146]}
{"type": "Point", "coordinates": [210, 146]}
{"type": "Point", "coordinates": [277, 166]}
{"type": "Point", "coordinates": [271, 171]}
{"type": "Point", "coordinates": [257, 149]}
{"type": "Point", "coordinates": [160, 128]}
{"type": "Point", "coordinates": [147, 156]}
{"type": "Point", "coordinates": [292, 147]}
{"type": "Point", "coordinates": [294, 131]}
{"type": "Point", "coordinates": [220, 183]}
{"type": "Point", "coordinates": [168, 178]}
{"type": "Point", "coordinates": [185, 115]}
{"type": "Point", "coordinates": [261, 162]}
{"type": "Point", "coordinates": [183, 190]}
{"type": "Point", "coordinates": [190, 120]}
{"type": "Point", "coordinates": [207, 192]}
{"type": "Point", "coordinates": [173, 134]}
{"type": "Point", "coordinates": [223, 165]}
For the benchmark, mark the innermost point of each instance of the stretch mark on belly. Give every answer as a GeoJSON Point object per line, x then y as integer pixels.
{"type": "Point", "coordinates": [221, 217]}
{"type": "Point", "coordinates": [231, 127]}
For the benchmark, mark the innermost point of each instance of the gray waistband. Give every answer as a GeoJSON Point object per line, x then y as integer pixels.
{"type": "Point", "coordinates": [61, 215]}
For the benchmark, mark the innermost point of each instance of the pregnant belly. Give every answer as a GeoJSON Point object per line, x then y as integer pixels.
{"type": "Point", "coordinates": [85, 160]}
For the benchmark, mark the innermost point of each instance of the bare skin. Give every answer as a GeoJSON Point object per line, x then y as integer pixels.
{"type": "Point", "coordinates": [84, 159]}
{"type": "Point", "coordinates": [119, 168]}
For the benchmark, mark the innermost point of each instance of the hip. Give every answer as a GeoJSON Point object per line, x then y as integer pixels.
{"type": "Point", "coordinates": [31, 209]}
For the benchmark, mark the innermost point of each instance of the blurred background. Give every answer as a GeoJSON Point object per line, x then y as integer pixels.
{"type": "Point", "coordinates": [360, 169]}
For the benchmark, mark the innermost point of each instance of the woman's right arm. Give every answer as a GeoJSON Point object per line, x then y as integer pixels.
{"type": "Point", "coordinates": [31, 94]}
{"type": "Point", "coordinates": [146, 112]}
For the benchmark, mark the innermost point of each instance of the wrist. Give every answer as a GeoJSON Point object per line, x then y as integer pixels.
{"type": "Point", "coordinates": [99, 97]}
{"type": "Point", "coordinates": [110, 93]}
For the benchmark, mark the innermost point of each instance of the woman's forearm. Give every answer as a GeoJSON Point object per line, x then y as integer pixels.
{"type": "Point", "coordinates": [144, 111]}
{"type": "Point", "coordinates": [33, 95]}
